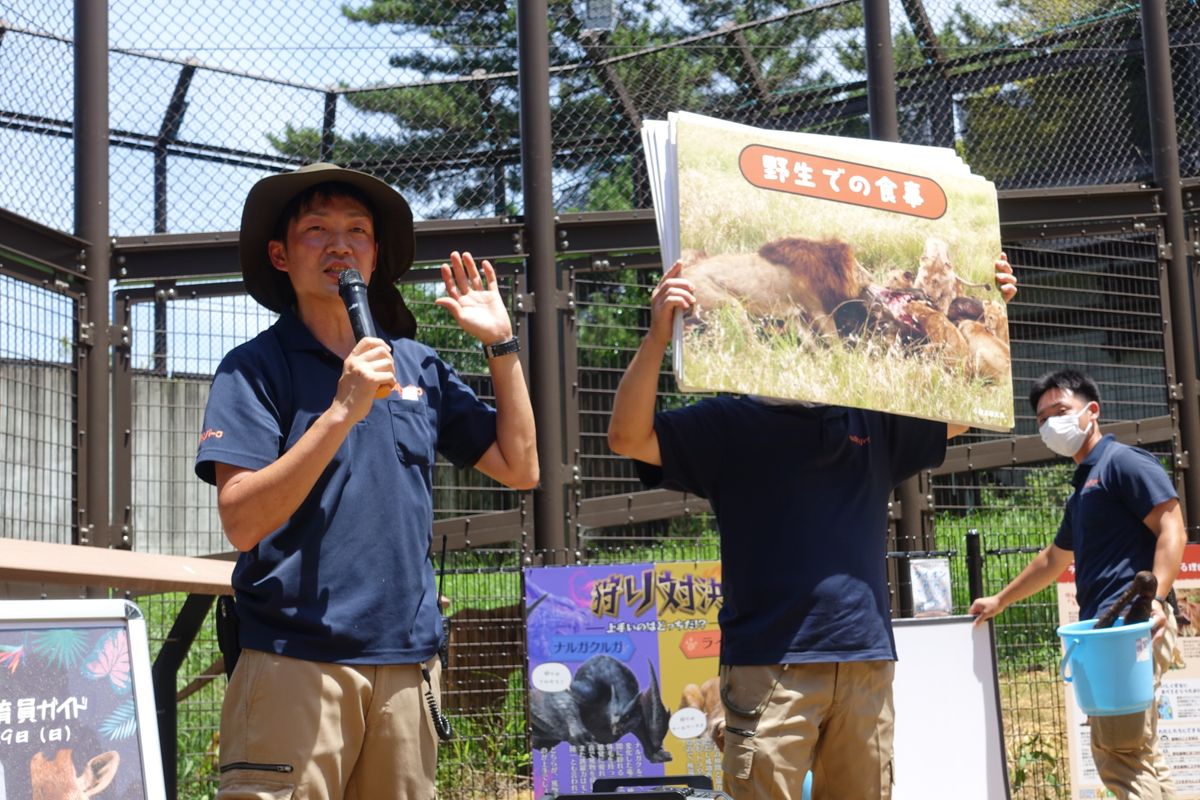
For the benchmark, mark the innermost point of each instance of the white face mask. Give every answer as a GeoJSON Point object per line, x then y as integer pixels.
{"type": "Point", "coordinates": [1063, 435]}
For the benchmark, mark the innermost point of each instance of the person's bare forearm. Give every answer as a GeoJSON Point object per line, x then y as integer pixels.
{"type": "Point", "coordinates": [631, 426]}
{"type": "Point", "coordinates": [253, 503]}
{"type": "Point", "coordinates": [1168, 549]}
{"type": "Point", "coordinates": [516, 437]}
{"type": "Point", "coordinates": [1039, 573]}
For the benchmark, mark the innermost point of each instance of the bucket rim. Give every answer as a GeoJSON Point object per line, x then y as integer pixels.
{"type": "Point", "coordinates": [1076, 629]}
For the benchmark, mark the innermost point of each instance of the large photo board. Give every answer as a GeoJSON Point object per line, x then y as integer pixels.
{"type": "Point", "coordinates": [834, 270]}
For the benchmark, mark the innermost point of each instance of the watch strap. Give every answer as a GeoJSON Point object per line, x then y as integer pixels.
{"type": "Point", "coordinates": [511, 345]}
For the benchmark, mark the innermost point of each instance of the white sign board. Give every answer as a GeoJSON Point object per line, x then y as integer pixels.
{"type": "Point", "coordinates": [949, 735]}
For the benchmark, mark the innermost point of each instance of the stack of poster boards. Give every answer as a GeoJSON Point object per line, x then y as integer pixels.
{"type": "Point", "coordinates": [832, 270]}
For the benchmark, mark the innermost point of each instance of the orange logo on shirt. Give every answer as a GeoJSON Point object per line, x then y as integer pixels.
{"type": "Point", "coordinates": [211, 434]}
{"type": "Point", "coordinates": [861, 441]}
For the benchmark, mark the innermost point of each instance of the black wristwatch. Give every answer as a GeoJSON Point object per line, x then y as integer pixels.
{"type": "Point", "coordinates": [503, 348]}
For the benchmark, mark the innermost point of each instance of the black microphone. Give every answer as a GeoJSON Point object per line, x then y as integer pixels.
{"type": "Point", "coordinates": [353, 290]}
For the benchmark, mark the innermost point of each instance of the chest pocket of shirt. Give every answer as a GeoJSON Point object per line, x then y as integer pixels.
{"type": "Point", "coordinates": [415, 432]}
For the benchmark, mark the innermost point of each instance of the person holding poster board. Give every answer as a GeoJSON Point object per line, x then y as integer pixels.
{"type": "Point", "coordinates": [1122, 518]}
{"type": "Point", "coordinates": [320, 437]}
{"type": "Point", "coordinates": [801, 493]}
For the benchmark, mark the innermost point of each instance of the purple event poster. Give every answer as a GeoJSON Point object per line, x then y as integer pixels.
{"type": "Point", "coordinates": [611, 649]}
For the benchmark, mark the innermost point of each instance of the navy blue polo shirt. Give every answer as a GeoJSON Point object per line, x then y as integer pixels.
{"type": "Point", "coordinates": [801, 500]}
{"type": "Point", "coordinates": [349, 578]}
{"type": "Point", "coordinates": [1116, 486]}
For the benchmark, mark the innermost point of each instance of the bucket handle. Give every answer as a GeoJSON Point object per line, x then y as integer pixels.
{"type": "Point", "coordinates": [1062, 665]}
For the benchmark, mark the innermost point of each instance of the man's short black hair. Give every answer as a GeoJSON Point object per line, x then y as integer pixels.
{"type": "Point", "coordinates": [1068, 380]}
{"type": "Point", "coordinates": [306, 199]}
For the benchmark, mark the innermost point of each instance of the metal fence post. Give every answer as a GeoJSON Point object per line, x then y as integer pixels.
{"type": "Point", "coordinates": [168, 132]}
{"type": "Point", "coordinates": [91, 224]}
{"type": "Point", "coordinates": [551, 525]}
{"type": "Point", "coordinates": [1165, 140]}
{"type": "Point", "coordinates": [881, 70]}
{"type": "Point", "coordinates": [974, 564]}
{"type": "Point", "coordinates": [881, 109]}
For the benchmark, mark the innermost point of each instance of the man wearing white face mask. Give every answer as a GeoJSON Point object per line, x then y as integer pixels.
{"type": "Point", "coordinates": [1122, 518]}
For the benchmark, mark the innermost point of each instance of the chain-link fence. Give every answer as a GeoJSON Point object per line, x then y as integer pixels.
{"type": "Point", "coordinates": [207, 98]}
{"type": "Point", "coordinates": [36, 54]}
{"type": "Point", "coordinates": [38, 397]}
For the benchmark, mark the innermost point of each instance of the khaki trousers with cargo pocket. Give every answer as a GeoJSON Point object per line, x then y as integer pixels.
{"type": "Point", "coordinates": [836, 719]}
{"type": "Point", "coordinates": [315, 731]}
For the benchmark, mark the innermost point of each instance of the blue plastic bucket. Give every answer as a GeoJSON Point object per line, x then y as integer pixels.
{"type": "Point", "coordinates": [1112, 669]}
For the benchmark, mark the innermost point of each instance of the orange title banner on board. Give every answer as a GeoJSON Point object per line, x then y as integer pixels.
{"type": "Point", "coordinates": [842, 181]}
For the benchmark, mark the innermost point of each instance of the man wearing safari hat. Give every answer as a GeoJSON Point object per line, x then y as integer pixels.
{"type": "Point", "coordinates": [322, 451]}
{"type": "Point", "coordinates": [1122, 518]}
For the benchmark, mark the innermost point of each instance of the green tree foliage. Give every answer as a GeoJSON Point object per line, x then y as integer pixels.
{"type": "Point", "coordinates": [1039, 126]}
{"type": "Point", "coordinates": [1032, 121]}
{"type": "Point", "coordinates": [1039, 129]}
{"type": "Point", "coordinates": [1033, 17]}
{"type": "Point", "coordinates": [1050, 71]}
{"type": "Point", "coordinates": [456, 145]}
{"type": "Point", "coordinates": [451, 96]}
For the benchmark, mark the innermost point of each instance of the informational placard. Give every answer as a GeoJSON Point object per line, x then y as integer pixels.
{"type": "Point", "coordinates": [833, 270]}
{"type": "Point", "coordinates": [77, 715]}
{"type": "Point", "coordinates": [1178, 697]}
{"type": "Point", "coordinates": [930, 581]}
{"type": "Point", "coordinates": [623, 683]}
{"type": "Point", "coordinates": [620, 658]}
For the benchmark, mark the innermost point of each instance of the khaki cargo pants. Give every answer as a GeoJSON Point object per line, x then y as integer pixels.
{"type": "Point", "coordinates": [314, 731]}
{"type": "Point", "coordinates": [1125, 748]}
{"type": "Point", "coordinates": [782, 720]}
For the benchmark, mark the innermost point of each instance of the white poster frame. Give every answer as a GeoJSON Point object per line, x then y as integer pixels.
{"type": "Point", "coordinates": [41, 614]}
